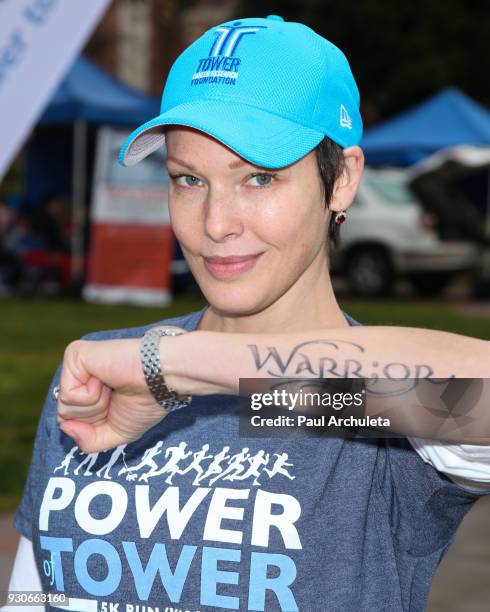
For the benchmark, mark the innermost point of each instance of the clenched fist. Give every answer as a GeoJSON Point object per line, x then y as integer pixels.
{"type": "Point", "coordinates": [103, 399]}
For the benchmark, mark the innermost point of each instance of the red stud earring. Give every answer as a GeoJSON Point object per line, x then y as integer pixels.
{"type": "Point", "coordinates": [340, 217]}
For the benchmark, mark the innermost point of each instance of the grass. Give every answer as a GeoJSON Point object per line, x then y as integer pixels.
{"type": "Point", "coordinates": [414, 313]}
{"type": "Point", "coordinates": [34, 333]}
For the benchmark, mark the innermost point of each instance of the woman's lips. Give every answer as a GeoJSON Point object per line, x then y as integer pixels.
{"type": "Point", "coordinates": [228, 267]}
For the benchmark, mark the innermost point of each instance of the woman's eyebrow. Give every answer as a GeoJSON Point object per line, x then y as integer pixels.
{"type": "Point", "coordinates": [180, 162]}
{"type": "Point", "coordinates": [238, 163]}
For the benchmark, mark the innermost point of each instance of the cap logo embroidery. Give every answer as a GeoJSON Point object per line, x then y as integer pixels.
{"type": "Point", "coordinates": [221, 65]}
{"type": "Point", "coordinates": [345, 120]}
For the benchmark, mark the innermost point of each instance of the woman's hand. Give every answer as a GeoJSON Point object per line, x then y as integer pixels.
{"type": "Point", "coordinates": [104, 400]}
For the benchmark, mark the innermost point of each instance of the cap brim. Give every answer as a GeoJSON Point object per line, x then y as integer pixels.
{"type": "Point", "coordinates": [261, 138]}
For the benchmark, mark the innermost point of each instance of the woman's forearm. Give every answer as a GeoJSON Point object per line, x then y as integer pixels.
{"type": "Point", "coordinates": [104, 400]}
{"type": "Point", "coordinates": [210, 362]}
{"type": "Point", "coordinates": [406, 372]}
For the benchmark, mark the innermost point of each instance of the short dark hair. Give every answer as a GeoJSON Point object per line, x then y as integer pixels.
{"type": "Point", "coordinates": [331, 164]}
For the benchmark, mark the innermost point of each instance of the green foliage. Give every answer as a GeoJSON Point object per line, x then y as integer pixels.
{"type": "Point", "coordinates": [11, 184]}
{"type": "Point", "coordinates": [34, 334]}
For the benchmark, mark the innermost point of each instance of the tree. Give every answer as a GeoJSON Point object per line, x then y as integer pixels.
{"type": "Point", "coordinates": [400, 52]}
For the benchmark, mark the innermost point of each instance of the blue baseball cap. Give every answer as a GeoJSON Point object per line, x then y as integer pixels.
{"type": "Point", "coordinates": [268, 89]}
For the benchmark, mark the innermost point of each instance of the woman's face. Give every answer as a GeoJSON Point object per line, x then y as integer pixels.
{"type": "Point", "coordinates": [251, 236]}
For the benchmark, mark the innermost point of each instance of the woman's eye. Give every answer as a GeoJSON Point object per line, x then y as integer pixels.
{"type": "Point", "coordinates": [185, 180]}
{"type": "Point", "coordinates": [262, 180]}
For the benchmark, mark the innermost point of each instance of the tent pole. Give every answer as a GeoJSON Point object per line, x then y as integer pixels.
{"type": "Point", "coordinates": [79, 169]}
{"type": "Point", "coordinates": [487, 216]}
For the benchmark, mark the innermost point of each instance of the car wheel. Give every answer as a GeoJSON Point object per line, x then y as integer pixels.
{"type": "Point", "coordinates": [430, 285]}
{"type": "Point", "coordinates": [369, 272]}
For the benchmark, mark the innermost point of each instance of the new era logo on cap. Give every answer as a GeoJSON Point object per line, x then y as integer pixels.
{"type": "Point", "coordinates": [345, 120]}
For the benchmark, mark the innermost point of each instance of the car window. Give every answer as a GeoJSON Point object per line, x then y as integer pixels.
{"type": "Point", "coordinates": [392, 189]}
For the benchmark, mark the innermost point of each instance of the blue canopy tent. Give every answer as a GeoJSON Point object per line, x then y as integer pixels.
{"type": "Point", "coordinates": [87, 95]}
{"type": "Point", "coordinates": [447, 119]}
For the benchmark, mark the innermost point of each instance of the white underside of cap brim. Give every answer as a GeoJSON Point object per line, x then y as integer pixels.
{"type": "Point", "coordinates": [143, 145]}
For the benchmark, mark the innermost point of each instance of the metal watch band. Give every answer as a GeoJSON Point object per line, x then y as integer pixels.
{"type": "Point", "coordinates": [150, 361]}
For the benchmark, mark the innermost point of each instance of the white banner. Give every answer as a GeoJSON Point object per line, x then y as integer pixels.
{"type": "Point", "coordinates": [39, 39]}
{"type": "Point", "coordinates": [131, 196]}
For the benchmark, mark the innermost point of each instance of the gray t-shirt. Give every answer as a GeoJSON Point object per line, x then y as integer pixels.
{"type": "Point", "coordinates": [193, 517]}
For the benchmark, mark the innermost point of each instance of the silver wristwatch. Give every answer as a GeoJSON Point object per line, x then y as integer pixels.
{"type": "Point", "coordinates": [150, 361]}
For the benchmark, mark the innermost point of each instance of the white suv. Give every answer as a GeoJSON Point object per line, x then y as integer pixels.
{"type": "Point", "coordinates": [387, 235]}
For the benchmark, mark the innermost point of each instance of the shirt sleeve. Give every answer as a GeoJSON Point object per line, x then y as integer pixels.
{"type": "Point", "coordinates": [466, 464]}
{"type": "Point", "coordinates": [47, 421]}
{"type": "Point", "coordinates": [425, 507]}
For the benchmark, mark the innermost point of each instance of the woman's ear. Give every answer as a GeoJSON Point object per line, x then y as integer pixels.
{"type": "Point", "coordinates": [347, 184]}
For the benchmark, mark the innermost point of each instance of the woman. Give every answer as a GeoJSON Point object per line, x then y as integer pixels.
{"type": "Point", "coordinates": [261, 124]}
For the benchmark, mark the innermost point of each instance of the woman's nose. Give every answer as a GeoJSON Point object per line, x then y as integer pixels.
{"type": "Point", "coordinates": [223, 217]}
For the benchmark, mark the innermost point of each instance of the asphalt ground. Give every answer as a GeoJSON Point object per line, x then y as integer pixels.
{"type": "Point", "coordinates": [462, 582]}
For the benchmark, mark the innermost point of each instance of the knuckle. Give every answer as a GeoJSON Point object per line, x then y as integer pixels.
{"type": "Point", "coordinates": [74, 347]}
